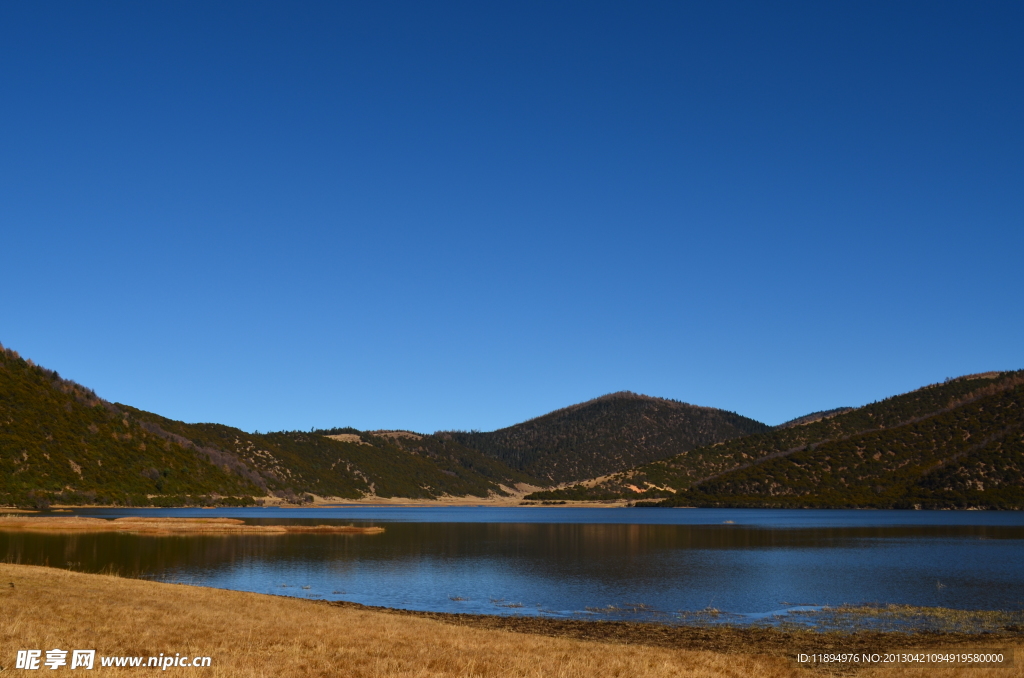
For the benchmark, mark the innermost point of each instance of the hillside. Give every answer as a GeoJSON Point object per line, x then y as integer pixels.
{"type": "Point", "coordinates": [814, 416]}
{"type": "Point", "coordinates": [351, 464]}
{"type": "Point", "coordinates": [926, 447]}
{"type": "Point", "coordinates": [971, 455]}
{"type": "Point", "coordinates": [59, 442]}
{"type": "Point", "coordinates": [605, 435]}
{"type": "Point", "coordinates": [955, 444]}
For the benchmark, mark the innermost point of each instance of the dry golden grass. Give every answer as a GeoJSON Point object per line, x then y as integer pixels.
{"type": "Point", "coordinates": [258, 636]}
{"type": "Point", "coordinates": [165, 525]}
{"type": "Point", "coordinates": [940, 672]}
{"type": "Point", "coordinates": [251, 635]}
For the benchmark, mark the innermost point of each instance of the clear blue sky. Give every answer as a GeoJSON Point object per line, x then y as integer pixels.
{"type": "Point", "coordinates": [441, 215]}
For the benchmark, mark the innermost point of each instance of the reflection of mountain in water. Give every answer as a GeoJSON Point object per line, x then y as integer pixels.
{"type": "Point", "coordinates": [547, 549]}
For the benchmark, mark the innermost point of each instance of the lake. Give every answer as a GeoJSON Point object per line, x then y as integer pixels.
{"type": "Point", "coordinates": [604, 563]}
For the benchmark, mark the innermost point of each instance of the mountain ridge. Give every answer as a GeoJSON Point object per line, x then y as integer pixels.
{"type": "Point", "coordinates": [967, 456]}
{"type": "Point", "coordinates": [606, 434]}
{"type": "Point", "coordinates": [710, 476]}
{"type": "Point", "coordinates": [954, 444]}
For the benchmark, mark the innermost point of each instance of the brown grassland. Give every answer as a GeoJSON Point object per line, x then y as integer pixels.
{"type": "Point", "coordinates": [157, 526]}
{"type": "Point", "coordinates": [251, 635]}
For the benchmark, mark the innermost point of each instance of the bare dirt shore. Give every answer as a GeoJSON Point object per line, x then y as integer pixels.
{"type": "Point", "coordinates": [458, 501]}
{"type": "Point", "coordinates": [515, 497]}
{"type": "Point", "coordinates": [252, 635]}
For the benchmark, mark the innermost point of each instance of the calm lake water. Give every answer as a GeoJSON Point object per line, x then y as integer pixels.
{"type": "Point", "coordinates": [639, 564]}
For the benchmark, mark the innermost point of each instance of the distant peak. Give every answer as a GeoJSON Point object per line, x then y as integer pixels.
{"type": "Point", "coordinates": [619, 396]}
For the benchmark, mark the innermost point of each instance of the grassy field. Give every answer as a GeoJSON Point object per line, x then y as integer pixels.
{"type": "Point", "coordinates": [166, 526]}
{"type": "Point", "coordinates": [252, 635]}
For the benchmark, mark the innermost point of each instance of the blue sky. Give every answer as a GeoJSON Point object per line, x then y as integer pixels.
{"type": "Point", "coordinates": [462, 215]}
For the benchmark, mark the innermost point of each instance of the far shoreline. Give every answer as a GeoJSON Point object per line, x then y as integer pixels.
{"type": "Point", "coordinates": [459, 502]}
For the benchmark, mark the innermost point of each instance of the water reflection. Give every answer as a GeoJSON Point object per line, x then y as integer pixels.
{"type": "Point", "coordinates": [636, 571]}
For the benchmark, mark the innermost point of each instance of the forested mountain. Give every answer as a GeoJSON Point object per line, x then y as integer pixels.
{"type": "Point", "coordinates": [61, 443]}
{"type": "Point", "coordinates": [611, 433]}
{"type": "Point", "coordinates": [955, 444]}
{"type": "Point", "coordinates": [951, 444]}
{"type": "Point", "coordinates": [349, 463]}
{"type": "Point", "coordinates": [970, 454]}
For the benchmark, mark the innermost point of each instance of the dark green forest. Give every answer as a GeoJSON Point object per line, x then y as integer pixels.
{"type": "Point", "coordinates": [60, 443]}
{"type": "Point", "coordinates": [971, 455]}
{"type": "Point", "coordinates": [955, 444]}
{"type": "Point", "coordinates": [958, 444]}
{"type": "Point", "coordinates": [609, 434]}
{"type": "Point", "coordinates": [292, 463]}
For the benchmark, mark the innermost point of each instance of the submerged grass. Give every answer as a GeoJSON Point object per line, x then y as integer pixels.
{"type": "Point", "coordinates": [908, 618]}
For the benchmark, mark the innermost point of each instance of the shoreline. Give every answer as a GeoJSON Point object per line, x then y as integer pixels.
{"type": "Point", "coordinates": [475, 502]}
{"type": "Point", "coordinates": [252, 634]}
{"type": "Point", "coordinates": [771, 640]}
{"type": "Point", "coordinates": [337, 502]}
{"type": "Point", "coordinates": [655, 633]}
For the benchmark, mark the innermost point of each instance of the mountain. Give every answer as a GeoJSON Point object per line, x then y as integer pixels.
{"type": "Point", "coordinates": [952, 444]}
{"type": "Point", "coordinates": [59, 442]}
{"type": "Point", "coordinates": [968, 455]}
{"type": "Point", "coordinates": [605, 435]}
{"type": "Point", "coordinates": [349, 463]}
{"type": "Point", "coordinates": [958, 444]}
{"type": "Point", "coordinates": [57, 439]}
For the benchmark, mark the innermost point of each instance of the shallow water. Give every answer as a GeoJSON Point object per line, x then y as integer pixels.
{"type": "Point", "coordinates": [639, 564]}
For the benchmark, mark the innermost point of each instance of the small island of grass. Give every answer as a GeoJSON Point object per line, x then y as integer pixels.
{"type": "Point", "coordinates": [167, 525]}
